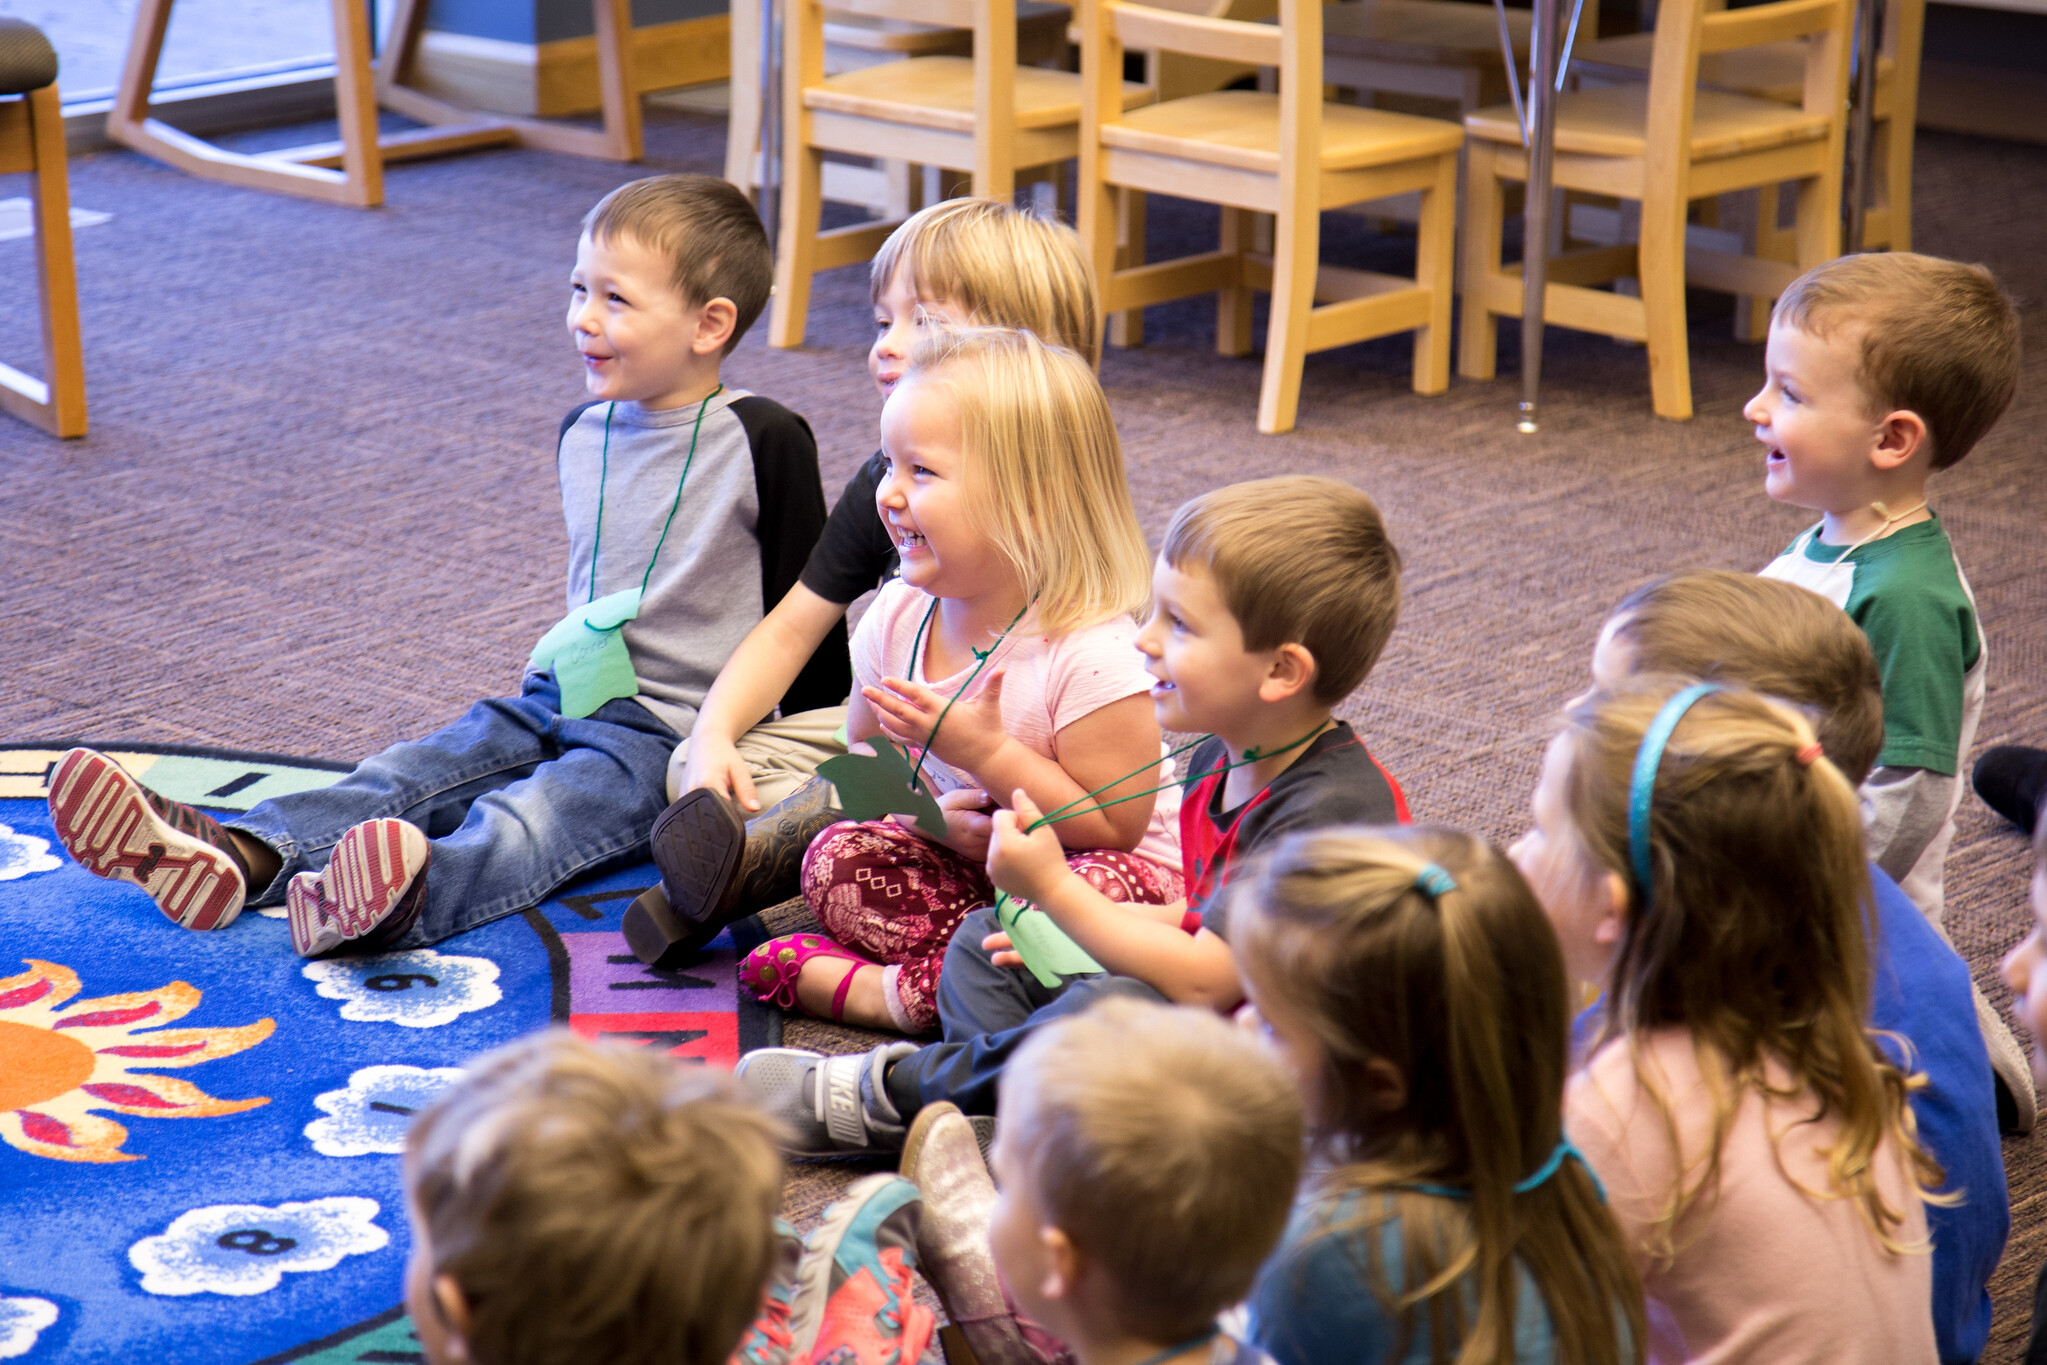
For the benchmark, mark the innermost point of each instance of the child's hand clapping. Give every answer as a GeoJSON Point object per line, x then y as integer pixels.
{"type": "Point", "coordinates": [908, 712]}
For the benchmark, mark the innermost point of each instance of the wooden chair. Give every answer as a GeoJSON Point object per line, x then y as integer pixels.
{"type": "Point", "coordinates": [1288, 154]}
{"type": "Point", "coordinates": [350, 170]}
{"type": "Point", "coordinates": [1776, 71]}
{"type": "Point", "coordinates": [1447, 50]}
{"type": "Point", "coordinates": [982, 115]}
{"type": "Point", "coordinates": [1666, 143]}
{"type": "Point", "coordinates": [852, 41]}
{"type": "Point", "coordinates": [32, 142]}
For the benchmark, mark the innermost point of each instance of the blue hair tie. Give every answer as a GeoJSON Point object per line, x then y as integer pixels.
{"type": "Point", "coordinates": [1433, 882]}
{"type": "Point", "coordinates": [1540, 1177]}
{"type": "Point", "coordinates": [1642, 789]}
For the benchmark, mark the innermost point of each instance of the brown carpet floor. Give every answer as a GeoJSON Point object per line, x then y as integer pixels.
{"type": "Point", "coordinates": [317, 513]}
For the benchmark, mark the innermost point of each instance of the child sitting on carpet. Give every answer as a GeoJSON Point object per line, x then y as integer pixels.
{"type": "Point", "coordinates": [962, 263]}
{"type": "Point", "coordinates": [1416, 991]}
{"type": "Point", "coordinates": [1271, 601]}
{"type": "Point", "coordinates": [1145, 1162]}
{"type": "Point", "coordinates": [1883, 369]}
{"type": "Point", "coordinates": [573, 1203]}
{"type": "Point", "coordinates": [1001, 659]}
{"type": "Point", "coordinates": [1702, 862]}
{"type": "Point", "coordinates": [690, 507]}
{"type": "Point", "coordinates": [1788, 643]}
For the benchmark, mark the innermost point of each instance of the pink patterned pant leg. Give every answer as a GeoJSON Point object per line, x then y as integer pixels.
{"type": "Point", "coordinates": [1127, 878]}
{"type": "Point", "coordinates": [881, 890]}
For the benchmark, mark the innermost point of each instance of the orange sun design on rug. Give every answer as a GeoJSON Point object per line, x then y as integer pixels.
{"type": "Point", "coordinates": [59, 1063]}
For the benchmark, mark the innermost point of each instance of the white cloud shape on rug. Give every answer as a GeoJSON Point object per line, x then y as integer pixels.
{"type": "Point", "coordinates": [22, 1320]}
{"type": "Point", "coordinates": [370, 1116]}
{"type": "Point", "coordinates": [416, 989]}
{"type": "Point", "coordinates": [24, 855]}
{"type": "Point", "coordinates": [244, 1249]}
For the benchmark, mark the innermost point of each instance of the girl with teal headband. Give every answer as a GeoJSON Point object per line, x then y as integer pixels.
{"type": "Point", "coordinates": [1702, 861]}
{"type": "Point", "coordinates": [1414, 988]}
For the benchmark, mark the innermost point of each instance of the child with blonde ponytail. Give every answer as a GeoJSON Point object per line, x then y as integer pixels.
{"type": "Point", "coordinates": [1702, 861]}
{"type": "Point", "coordinates": [1414, 988]}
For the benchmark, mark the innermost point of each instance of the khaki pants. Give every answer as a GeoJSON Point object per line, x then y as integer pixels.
{"type": "Point", "coordinates": [781, 755]}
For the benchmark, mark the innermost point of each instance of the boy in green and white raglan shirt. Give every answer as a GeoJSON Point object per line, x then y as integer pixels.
{"type": "Point", "coordinates": [1883, 368]}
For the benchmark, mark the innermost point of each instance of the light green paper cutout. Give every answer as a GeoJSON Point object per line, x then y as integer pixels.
{"type": "Point", "coordinates": [876, 786]}
{"type": "Point", "coordinates": [1040, 942]}
{"type": "Point", "coordinates": [586, 649]}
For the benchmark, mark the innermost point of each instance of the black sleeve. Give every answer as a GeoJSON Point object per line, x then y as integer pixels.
{"type": "Point", "coordinates": [791, 496]}
{"type": "Point", "coordinates": [855, 553]}
{"type": "Point", "coordinates": [567, 422]}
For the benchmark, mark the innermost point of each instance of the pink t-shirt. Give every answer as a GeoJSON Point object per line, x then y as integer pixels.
{"type": "Point", "coordinates": [1766, 1271]}
{"type": "Point", "coordinates": [1047, 685]}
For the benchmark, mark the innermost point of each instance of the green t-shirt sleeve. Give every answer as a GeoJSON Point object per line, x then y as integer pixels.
{"type": "Point", "coordinates": [1924, 637]}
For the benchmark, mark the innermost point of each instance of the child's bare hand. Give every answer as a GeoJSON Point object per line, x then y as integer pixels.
{"type": "Point", "coordinates": [1002, 952]}
{"type": "Point", "coordinates": [967, 823]}
{"type": "Point", "coordinates": [716, 763]}
{"type": "Point", "coordinates": [909, 711]}
{"type": "Point", "coordinates": [1025, 864]}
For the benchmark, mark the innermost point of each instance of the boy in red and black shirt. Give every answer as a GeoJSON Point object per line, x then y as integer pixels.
{"type": "Point", "coordinates": [1271, 602]}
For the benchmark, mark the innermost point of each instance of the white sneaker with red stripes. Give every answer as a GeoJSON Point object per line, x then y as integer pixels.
{"type": "Point", "coordinates": [115, 827]}
{"type": "Point", "coordinates": [369, 894]}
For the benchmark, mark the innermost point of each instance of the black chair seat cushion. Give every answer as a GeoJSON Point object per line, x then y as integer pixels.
{"type": "Point", "coordinates": [27, 61]}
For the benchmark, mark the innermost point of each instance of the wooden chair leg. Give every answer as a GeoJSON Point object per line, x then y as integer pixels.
{"type": "Point", "coordinates": [1435, 269]}
{"type": "Point", "coordinates": [1662, 277]}
{"type": "Point", "coordinates": [743, 119]}
{"type": "Point", "coordinates": [1478, 348]}
{"type": "Point", "coordinates": [1770, 242]}
{"type": "Point", "coordinates": [1233, 304]}
{"type": "Point", "coordinates": [1295, 257]}
{"type": "Point", "coordinates": [56, 403]}
{"type": "Point", "coordinates": [1126, 329]}
{"type": "Point", "coordinates": [796, 247]}
{"type": "Point", "coordinates": [1888, 224]}
{"type": "Point", "coordinates": [1817, 231]}
{"type": "Point", "coordinates": [1095, 219]}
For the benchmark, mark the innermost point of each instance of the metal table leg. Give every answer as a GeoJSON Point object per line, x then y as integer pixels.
{"type": "Point", "coordinates": [771, 121]}
{"type": "Point", "coordinates": [1549, 59]}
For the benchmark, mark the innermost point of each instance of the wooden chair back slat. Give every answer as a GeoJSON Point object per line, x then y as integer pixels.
{"type": "Point", "coordinates": [1225, 40]}
{"type": "Point", "coordinates": [1729, 29]}
{"type": "Point", "coordinates": [944, 13]}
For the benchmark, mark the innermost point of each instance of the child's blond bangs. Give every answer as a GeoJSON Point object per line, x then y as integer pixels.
{"type": "Point", "coordinates": [1046, 478]}
{"type": "Point", "coordinates": [1006, 267]}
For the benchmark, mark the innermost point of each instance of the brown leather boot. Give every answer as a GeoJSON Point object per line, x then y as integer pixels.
{"type": "Point", "coordinates": [716, 867]}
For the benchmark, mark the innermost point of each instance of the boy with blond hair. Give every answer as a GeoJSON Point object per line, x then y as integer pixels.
{"type": "Point", "coordinates": [1271, 602]}
{"type": "Point", "coordinates": [1883, 369]}
{"type": "Point", "coordinates": [573, 1203]}
{"type": "Point", "coordinates": [690, 507]}
{"type": "Point", "coordinates": [1146, 1163]}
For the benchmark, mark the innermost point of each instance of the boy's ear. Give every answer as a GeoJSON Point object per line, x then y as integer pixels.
{"type": "Point", "coordinates": [1292, 673]}
{"type": "Point", "coordinates": [453, 1306]}
{"type": "Point", "coordinates": [715, 321]}
{"type": "Point", "coordinates": [1899, 437]}
{"type": "Point", "coordinates": [1062, 1264]}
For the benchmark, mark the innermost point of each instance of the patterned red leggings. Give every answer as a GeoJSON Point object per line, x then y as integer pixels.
{"type": "Point", "coordinates": [882, 890]}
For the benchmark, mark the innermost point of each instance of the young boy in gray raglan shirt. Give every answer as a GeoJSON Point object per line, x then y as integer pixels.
{"type": "Point", "coordinates": [690, 507]}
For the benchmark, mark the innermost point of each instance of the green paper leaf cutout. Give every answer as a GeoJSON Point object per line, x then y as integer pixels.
{"type": "Point", "coordinates": [586, 649]}
{"type": "Point", "coordinates": [876, 786]}
{"type": "Point", "coordinates": [1040, 942]}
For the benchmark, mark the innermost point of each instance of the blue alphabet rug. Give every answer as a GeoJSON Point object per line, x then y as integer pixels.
{"type": "Point", "coordinates": [200, 1132]}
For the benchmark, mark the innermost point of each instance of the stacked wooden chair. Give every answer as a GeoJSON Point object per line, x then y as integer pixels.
{"type": "Point", "coordinates": [32, 142]}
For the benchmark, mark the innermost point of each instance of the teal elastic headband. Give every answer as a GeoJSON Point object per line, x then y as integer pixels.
{"type": "Point", "coordinates": [1642, 788]}
{"type": "Point", "coordinates": [1541, 1175]}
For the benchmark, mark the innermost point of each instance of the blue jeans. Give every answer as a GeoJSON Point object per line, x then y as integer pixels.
{"type": "Point", "coordinates": [986, 1013]}
{"type": "Point", "coordinates": [517, 798]}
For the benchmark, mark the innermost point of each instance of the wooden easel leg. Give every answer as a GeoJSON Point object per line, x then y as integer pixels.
{"type": "Point", "coordinates": [622, 128]}
{"type": "Point", "coordinates": [63, 411]}
{"type": "Point", "coordinates": [355, 104]}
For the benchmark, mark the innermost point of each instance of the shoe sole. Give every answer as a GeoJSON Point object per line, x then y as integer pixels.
{"type": "Point", "coordinates": [372, 868]}
{"type": "Point", "coordinates": [698, 843]}
{"type": "Point", "coordinates": [107, 826]}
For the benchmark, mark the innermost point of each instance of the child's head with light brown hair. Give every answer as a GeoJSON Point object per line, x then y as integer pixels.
{"type": "Point", "coordinates": [574, 1203]}
{"type": "Point", "coordinates": [1043, 477]}
{"type": "Point", "coordinates": [1415, 987]}
{"type": "Point", "coordinates": [1772, 637]}
{"type": "Point", "coordinates": [1298, 559]}
{"type": "Point", "coordinates": [1935, 337]}
{"type": "Point", "coordinates": [1732, 908]}
{"type": "Point", "coordinates": [997, 266]}
{"type": "Point", "coordinates": [705, 229]}
{"type": "Point", "coordinates": [1147, 1159]}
